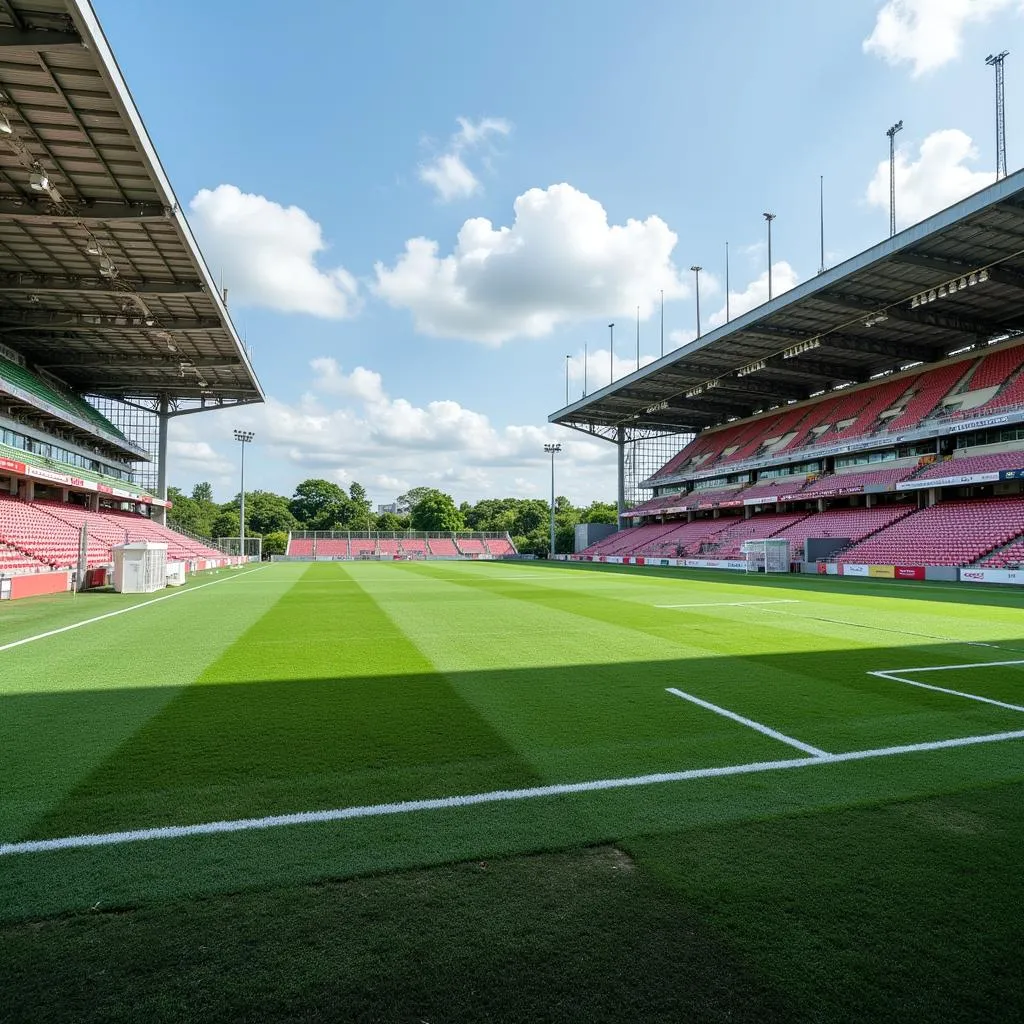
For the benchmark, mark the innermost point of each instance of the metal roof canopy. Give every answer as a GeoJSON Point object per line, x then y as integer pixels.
{"type": "Point", "coordinates": [870, 315]}
{"type": "Point", "coordinates": [101, 281]}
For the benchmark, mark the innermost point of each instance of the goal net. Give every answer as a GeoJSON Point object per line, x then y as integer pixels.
{"type": "Point", "coordinates": [766, 555]}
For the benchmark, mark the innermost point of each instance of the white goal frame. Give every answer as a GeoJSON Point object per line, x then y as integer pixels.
{"type": "Point", "coordinates": [767, 554]}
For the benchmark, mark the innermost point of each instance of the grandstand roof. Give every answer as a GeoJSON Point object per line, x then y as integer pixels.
{"type": "Point", "coordinates": [916, 297]}
{"type": "Point", "coordinates": [101, 281]}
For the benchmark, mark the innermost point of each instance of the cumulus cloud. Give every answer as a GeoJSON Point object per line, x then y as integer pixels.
{"type": "Point", "coordinates": [267, 254]}
{"type": "Point", "coordinates": [448, 174]}
{"type": "Point", "coordinates": [598, 367]}
{"type": "Point", "coordinates": [938, 177]}
{"type": "Point", "coordinates": [391, 444]}
{"type": "Point", "coordinates": [559, 262]}
{"type": "Point", "coordinates": [755, 294]}
{"type": "Point", "coordinates": [928, 33]}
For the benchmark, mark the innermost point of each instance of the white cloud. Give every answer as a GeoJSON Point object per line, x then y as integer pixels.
{"type": "Point", "coordinates": [266, 254]}
{"type": "Point", "coordinates": [448, 173]}
{"type": "Point", "coordinates": [755, 294]}
{"type": "Point", "coordinates": [928, 33]}
{"type": "Point", "coordinates": [391, 444]}
{"type": "Point", "coordinates": [598, 366]}
{"type": "Point", "coordinates": [936, 179]}
{"type": "Point", "coordinates": [679, 338]}
{"type": "Point", "coordinates": [559, 262]}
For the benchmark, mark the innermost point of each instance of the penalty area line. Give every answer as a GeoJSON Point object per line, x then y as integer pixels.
{"type": "Point", "coordinates": [123, 611]}
{"type": "Point", "coordinates": [750, 723]}
{"type": "Point", "coordinates": [497, 796]}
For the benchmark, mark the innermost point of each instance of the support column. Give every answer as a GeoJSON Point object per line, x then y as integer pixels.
{"type": "Point", "coordinates": [163, 419]}
{"type": "Point", "coordinates": [620, 441]}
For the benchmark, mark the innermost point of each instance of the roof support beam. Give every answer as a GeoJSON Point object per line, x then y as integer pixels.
{"type": "Point", "coordinates": [43, 211]}
{"type": "Point", "coordinates": [42, 284]}
{"type": "Point", "coordinates": [140, 362]}
{"type": "Point", "coordinates": [948, 321]}
{"type": "Point", "coordinates": [87, 322]}
{"type": "Point", "coordinates": [946, 269]}
{"type": "Point", "coordinates": [39, 40]}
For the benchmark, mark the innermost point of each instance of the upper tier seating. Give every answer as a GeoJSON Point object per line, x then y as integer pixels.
{"type": "Point", "coordinates": [929, 390]}
{"type": "Point", "coordinates": [996, 368]}
{"type": "Point", "coordinates": [973, 464]}
{"type": "Point", "coordinates": [949, 533]}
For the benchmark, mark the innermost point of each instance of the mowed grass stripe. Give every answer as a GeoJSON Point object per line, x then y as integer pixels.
{"type": "Point", "coordinates": [68, 702]}
{"type": "Point", "coordinates": [579, 699]}
{"type": "Point", "coordinates": [322, 703]}
{"type": "Point", "coordinates": [805, 680]}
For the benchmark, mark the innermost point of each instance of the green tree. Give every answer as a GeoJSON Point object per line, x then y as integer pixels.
{"type": "Point", "coordinates": [600, 512]}
{"type": "Point", "coordinates": [391, 523]}
{"type": "Point", "coordinates": [361, 513]}
{"type": "Point", "coordinates": [203, 493]}
{"type": "Point", "coordinates": [275, 543]}
{"type": "Point", "coordinates": [320, 505]}
{"type": "Point", "coordinates": [406, 502]}
{"type": "Point", "coordinates": [226, 523]}
{"type": "Point", "coordinates": [185, 512]}
{"type": "Point", "coordinates": [437, 511]}
{"type": "Point", "coordinates": [266, 512]}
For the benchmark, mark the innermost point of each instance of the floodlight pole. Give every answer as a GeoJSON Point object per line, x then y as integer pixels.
{"type": "Point", "coordinates": [696, 277]}
{"type": "Point", "coordinates": [891, 132]}
{"type": "Point", "coordinates": [662, 321]}
{"type": "Point", "coordinates": [726, 282]}
{"type": "Point", "coordinates": [243, 437]}
{"type": "Point", "coordinates": [611, 353]}
{"type": "Point", "coordinates": [638, 337]}
{"type": "Point", "coordinates": [769, 217]}
{"type": "Point", "coordinates": [552, 450]}
{"type": "Point", "coordinates": [996, 61]}
{"type": "Point", "coordinates": [567, 380]}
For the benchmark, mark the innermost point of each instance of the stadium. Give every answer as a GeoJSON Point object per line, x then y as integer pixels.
{"type": "Point", "coordinates": [754, 754]}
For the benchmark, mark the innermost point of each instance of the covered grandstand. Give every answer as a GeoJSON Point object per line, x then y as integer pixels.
{"type": "Point", "coordinates": [873, 416]}
{"type": "Point", "coordinates": [112, 323]}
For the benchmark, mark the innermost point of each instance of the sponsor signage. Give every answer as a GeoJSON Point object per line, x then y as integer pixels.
{"type": "Point", "coordinates": [950, 481]}
{"type": "Point", "coordinates": [1012, 474]}
{"type": "Point", "coordinates": [11, 466]}
{"type": "Point", "coordinates": [855, 570]}
{"type": "Point", "coordinates": [909, 572]}
{"type": "Point", "coordinates": [713, 563]}
{"type": "Point", "coordinates": [882, 572]}
{"type": "Point", "coordinates": [1012, 576]}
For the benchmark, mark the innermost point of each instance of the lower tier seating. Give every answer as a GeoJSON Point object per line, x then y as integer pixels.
{"type": "Point", "coordinates": [949, 533]}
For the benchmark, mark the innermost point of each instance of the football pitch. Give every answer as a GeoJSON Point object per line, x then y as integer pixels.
{"type": "Point", "coordinates": [784, 796]}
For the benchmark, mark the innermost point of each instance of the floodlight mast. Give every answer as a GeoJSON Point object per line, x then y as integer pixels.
{"type": "Point", "coordinates": [996, 61]}
{"type": "Point", "coordinates": [891, 132]}
{"type": "Point", "coordinates": [243, 437]}
{"type": "Point", "coordinates": [769, 217]}
{"type": "Point", "coordinates": [696, 277]}
{"type": "Point", "coordinates": [611, 353]}
{"type": "Point", "coordinates": [552, 450]}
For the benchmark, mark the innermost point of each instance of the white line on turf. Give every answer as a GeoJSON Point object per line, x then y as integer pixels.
{"type": "Point", "coordinates": [894, 675]}
{"type": "Point", "coordinates": [497, 796]}
{"type": "Point", "coordinates": [749, 722]}
{"type": "Point", "coordinates": [727, 604]}
{"type": "Point", "coordinates": [123, 611]}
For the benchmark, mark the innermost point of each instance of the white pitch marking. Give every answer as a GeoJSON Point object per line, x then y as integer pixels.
{"type": "Point", "coordinates": [727, 604]}
{"type": "Point", "coordinates": [750, 723]}
{"type": "Point", "coordinates": [496, 796]}
{"type": "Point", "coordinates": [124, 611]}
{"type": "Point", "coordinates": [894, 676]}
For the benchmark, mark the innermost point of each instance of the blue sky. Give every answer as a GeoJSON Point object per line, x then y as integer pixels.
{"type": "Point", "coordinates": [339, 163]}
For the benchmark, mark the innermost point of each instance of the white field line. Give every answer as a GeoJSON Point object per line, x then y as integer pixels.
{"type": "Point", "coordinates": [750, 723]}
{"type": "Point", "coordinates": [123, 611]}
{"type": "Point", "coordinates": [496, 796]}
{"type": "Point", "coordinates": [727, 604]}
{"type": "Point", "coordinates": [895, 676]}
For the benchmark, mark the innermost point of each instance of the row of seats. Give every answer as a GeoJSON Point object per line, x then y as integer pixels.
{"type": "Point", "coordinates": [47, 533]}
{"type": "Point", "coordinates": [397, 547]}
{"type": "Point", "coordinates": [949, 533]}
{"type": "Point", "coordinates": [890, 406]}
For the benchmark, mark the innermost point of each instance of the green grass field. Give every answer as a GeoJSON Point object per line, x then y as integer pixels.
{"type": "Point", "coordinates": [690, 798]}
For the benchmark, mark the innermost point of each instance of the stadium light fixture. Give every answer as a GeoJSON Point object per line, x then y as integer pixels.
{"type": "Point", "coordinates": [243, 437]}
{"type": "Point", "coordinates": [552, 450]}
{"type": "Point", "coordinates": [769, 217]}
{"type": "Point", "coordinates": [93, 248]}
{"type": "Point", "coordinates": [696, 277]}
{"type": "Point", "coordinates": [611, 353]}
{"type": "Point", "coordinates": [5, 125]}
{"type": "Point", "coordinates": [891, 132]}
{"type": "Point", "coordinates": [746, 371]}
{"type": "Point", "coordinates": [804, 346]}
{"type": "Point", "coordinates": [38, 180]}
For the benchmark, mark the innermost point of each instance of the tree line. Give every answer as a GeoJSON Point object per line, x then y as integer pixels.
{"type": "Point", "coordinates": [323, 505]}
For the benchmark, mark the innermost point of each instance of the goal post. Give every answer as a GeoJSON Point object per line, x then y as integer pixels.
{"type": "Point", "coordinates": [768, 554]}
